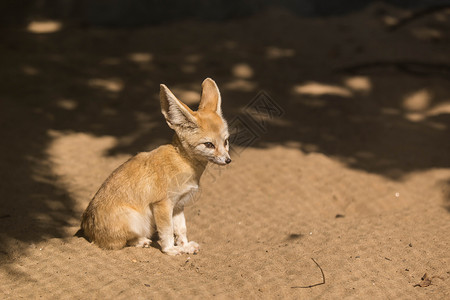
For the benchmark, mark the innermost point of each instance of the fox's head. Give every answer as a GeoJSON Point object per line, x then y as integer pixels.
{"type": "Point", "coordinates": [203, 133]}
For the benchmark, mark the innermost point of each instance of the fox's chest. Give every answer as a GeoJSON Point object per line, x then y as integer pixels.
{"type": "Point", "coordinates": [184, 195]}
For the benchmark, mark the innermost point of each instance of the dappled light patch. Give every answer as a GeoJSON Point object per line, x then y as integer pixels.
{"type": "Point", "coordinates": [242, 70]}
{"type": "Point", "coordinates": [427, 34]}
{"type": "Point", "coordinates": [71, 156]}
{"type": "Point", "coordinates": [415, 117]}
{"type": "Point", "coordinates": [29, 70]}
{"type": "Point", "coordinates": [276, 52]}
{"type": "Point", "coordinates": [42, 27]}
{"type": "Point", "coordinates": [437, 125]}
{"type": "Point", "coordinates": [239, 85]}
{"type": "Point", "coordinates": [319, 89]}
{"type": "Point", "coordinates": [67, 104]}
{"type": "Point", "coordinates": [189, 97]}
{"type": "Point", "coordinates": [439, 109]}
{"type": "Point", "coordinates": [416, 104]}
{"type": "Point", "coordinates": [390, 20]}
{"type": "Point", "coordinates": [114, 85]}
{"type": "Point", "coordinates": [140, 58]}
{"type": "Point", "coordinates": [417, 101]}
{"type": "Point", "coordinates": [359, 83]}
{"type": "Point", "coordinates": [443, 16]}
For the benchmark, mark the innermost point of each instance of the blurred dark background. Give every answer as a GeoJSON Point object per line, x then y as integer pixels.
{"type": "Point", "coordinates": [149, 12]}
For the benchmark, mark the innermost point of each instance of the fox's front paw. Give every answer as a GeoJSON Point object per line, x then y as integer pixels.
{"type": "Point", "coordinates": [191, 247]}
{"type": "Point", "coordinates": [174, 250]}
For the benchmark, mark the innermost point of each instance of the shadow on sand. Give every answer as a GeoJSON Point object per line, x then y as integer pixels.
{"type": "Point", "coordinates": [338, 94]}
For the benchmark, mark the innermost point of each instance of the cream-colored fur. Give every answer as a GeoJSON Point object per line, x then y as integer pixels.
{"type": "Point", "coordinates": [149, 191]}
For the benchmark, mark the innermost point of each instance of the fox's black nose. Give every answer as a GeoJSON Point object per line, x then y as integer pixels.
{"type": "Point", "coordinates": [228, 160]}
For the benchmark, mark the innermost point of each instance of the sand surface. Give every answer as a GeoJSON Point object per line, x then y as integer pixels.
{"type": "Point", "coordinates": [352, 169]}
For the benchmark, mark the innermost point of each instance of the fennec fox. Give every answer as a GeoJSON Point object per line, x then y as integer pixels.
{"type": "Point", "coordinates": [149, 191]}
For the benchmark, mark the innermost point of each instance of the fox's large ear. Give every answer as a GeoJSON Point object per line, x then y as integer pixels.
{"type": "Point", "coordinates": [177, 113]}
{"type": "Point", "coordinates": [210, 99]}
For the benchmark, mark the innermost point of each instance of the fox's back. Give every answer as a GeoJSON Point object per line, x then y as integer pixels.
{"type": "Point", "coordinates": [143, 179]}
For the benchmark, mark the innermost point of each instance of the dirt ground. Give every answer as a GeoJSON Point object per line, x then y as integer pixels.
{"type": "Point", "coordinates": [351, 170]}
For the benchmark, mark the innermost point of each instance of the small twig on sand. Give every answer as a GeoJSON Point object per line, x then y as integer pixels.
{"type": "Point", "coordinates": [312, 285]}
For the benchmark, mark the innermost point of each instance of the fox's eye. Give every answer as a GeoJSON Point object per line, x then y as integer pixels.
{"type": "Point", "coordinates": [225, 143]}
{"type": "Point", "coordinates": [209, 145]}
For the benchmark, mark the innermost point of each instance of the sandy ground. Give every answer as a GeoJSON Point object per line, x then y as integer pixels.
{"type": "Point", "coordinates": [353, 171]}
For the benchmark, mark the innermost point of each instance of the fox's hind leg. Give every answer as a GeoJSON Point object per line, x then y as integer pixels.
{"type": "Point", "coordinates": [141, 226]}
{"type": "Point", "coordinates": [140, 242]}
